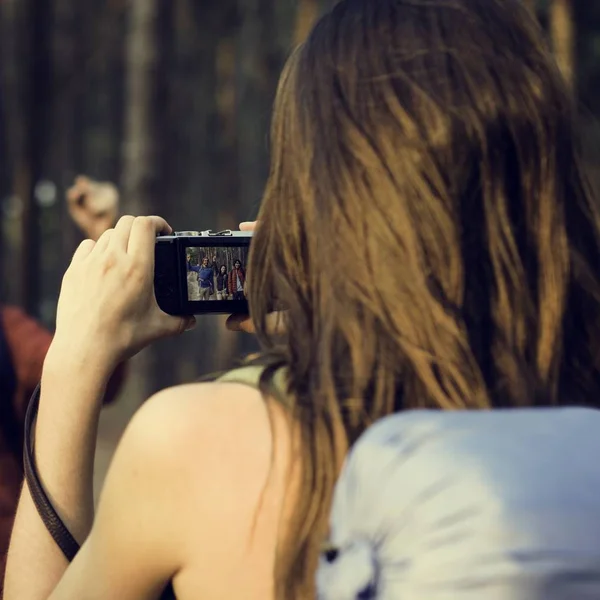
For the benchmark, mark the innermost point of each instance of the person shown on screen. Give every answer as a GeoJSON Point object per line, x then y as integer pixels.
{"type": "Point", "coordinates": [236, 281]}
{"type": "Point", "coordinates": [206, 279]}
{"type": "Point", "coordinates": [222, 276]}
{"type": "Point", "coordinates": [191, 266]}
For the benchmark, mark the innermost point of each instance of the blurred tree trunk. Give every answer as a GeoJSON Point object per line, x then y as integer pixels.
{"type": "Point", "coordinates": [139, 168]}
{"type": "Point", "coordinates": [226, 156]}
{"type": "Point", "coordinates": [259, 64]}
{"type": "Point", "coordinates": [562, 32]}
{"type": "Point", "coordinates": [307, 13]}
{"type": "Point", "coordinates": [59, 236]}
{"type": "Point", "coordinates": [13, 15]}
{"type": "Point", "coordinates": [227, 123]}
{"type": "Point", "coordinates": [5, 184]}
{"type": "Point", "coordinates": [38, 145]}
{"type": "Point", "coordinates": [69, 80]}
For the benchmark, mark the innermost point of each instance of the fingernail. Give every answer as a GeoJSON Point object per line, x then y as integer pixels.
{"type": "Point", "coordinates": [191, 324]}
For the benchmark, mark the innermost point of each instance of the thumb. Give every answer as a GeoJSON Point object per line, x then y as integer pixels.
{"type": "Point", "coordinates": [173, 326]}
{"type": "Point", "coordinates": [187, 324]}
{"type": "Point", "coordinates": [248, 225]}
{"type": "Point", "coordinates": [240, 323]}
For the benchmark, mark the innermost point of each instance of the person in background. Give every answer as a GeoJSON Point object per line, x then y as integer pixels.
{"type": "Point", "coordinates": [93, 205]}
{"type": "Point", "coordinates": [23, 347]}
{"type": "Point", "coordinates": [468, 505]}
{"type": "Point", "coordinates": [236, 282]}
{"type": "Point", "coordinates": [222, 283]}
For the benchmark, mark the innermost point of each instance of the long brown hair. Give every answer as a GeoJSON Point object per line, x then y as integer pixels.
{"type": "Point", "coordinates": [428, 228]}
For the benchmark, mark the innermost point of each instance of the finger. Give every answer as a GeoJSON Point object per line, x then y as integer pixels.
{"type": "Point", "coordinates": [79, 188]}
{"type": "Point", "coordinates": [248, 225]}
{"type": "Point", "coordinates": [72, 196]}
{"type": "Point", "coordinates": [187, 324]}
{"type": "Point", "coordinates": [120, 238]}
{"type": "Point", "coordinates": [143, 237]}
{"type": "Point", "coordinates": [76, 200]}
{"type": "Point", "coordinates": [82, 181]}
{"type": "Point", "coordinates": [83, 250]}
{"type": "Point", "coordinates": [103, 241]}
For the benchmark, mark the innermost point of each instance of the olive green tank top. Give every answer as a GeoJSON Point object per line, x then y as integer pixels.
{"type": "Point", "coordinates": [250, 376]}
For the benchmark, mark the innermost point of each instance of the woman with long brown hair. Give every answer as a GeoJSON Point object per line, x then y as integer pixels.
{"type": "Point", "coordinates": [429, 231]}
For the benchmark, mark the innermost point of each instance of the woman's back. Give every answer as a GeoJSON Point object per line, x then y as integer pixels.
{"type": "Point", "coordinates": [430, 232]}
{"type": "Point", "coordinates": [497, 505]}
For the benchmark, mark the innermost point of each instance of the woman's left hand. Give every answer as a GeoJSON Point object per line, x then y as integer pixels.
{"type": "Point", "coordinates": [107, 310]}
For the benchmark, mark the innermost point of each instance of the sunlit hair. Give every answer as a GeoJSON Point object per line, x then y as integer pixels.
{"type": "Point", "coordinates": [428, 228]}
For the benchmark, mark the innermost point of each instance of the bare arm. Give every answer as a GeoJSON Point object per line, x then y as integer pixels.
{"type": "Point", "coordinates": [194, 494]}
{"type": "Point", "coordinates": [65, 442]}
{"type": "Point", "coordinates": [196, 488]}
{"type": "Point", "coordinates": [133, 549]}
{"type": "Point", "coordinates": [106, 312]}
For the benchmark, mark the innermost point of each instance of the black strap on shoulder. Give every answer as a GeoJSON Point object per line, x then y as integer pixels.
{"type": "Point", "coordinates": [57, 529]}
{"type": "Point", "coordinates": [54, 524]}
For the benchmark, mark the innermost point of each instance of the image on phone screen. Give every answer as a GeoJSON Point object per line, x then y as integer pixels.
{"type": "Point", "coordinates": [216, 273]}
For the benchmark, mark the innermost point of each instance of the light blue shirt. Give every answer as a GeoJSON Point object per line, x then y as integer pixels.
{"type": "Point", "coordinates": [496, 505]}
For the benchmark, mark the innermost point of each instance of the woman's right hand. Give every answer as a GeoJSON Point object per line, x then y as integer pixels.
{"type": "Point", "coordinates": [107, 309]}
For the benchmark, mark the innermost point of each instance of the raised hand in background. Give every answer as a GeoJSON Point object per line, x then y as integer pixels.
{"type": "Point", "coordinates": [93, 205]}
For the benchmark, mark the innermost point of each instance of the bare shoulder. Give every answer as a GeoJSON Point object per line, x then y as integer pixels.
{"type": "Point", "coordinates": [194, 495]}
{"type": "Point", "coordinates": [220, 427]}
{"type": "Point", "coordinates": [223, 451]}
{"type": "Point", "coordinates": [201, 414]}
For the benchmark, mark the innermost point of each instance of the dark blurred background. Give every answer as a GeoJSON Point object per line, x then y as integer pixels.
{"type": "Point", "coordinates": [170, 101]}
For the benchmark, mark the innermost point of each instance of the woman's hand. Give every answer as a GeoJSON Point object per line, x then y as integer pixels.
{"type": "Point", "coordinates": [275, 320]}
{"type": "Point", "coordinates": [248, 225]}
{"type": "Point", "coordinates": [107, 310]}
{"type": "Point", "coordinates": [242, 322]}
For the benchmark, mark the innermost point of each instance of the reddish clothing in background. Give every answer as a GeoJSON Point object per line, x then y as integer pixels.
{"type": "Point", "coordinates": [28, 342]}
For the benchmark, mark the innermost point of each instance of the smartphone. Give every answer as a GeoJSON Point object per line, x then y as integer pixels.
{"type": "Point", "coordinates": [202, 272]}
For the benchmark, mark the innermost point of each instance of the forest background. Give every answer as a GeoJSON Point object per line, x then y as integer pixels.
{"type": "Point", "coordinates": [169, 100]}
